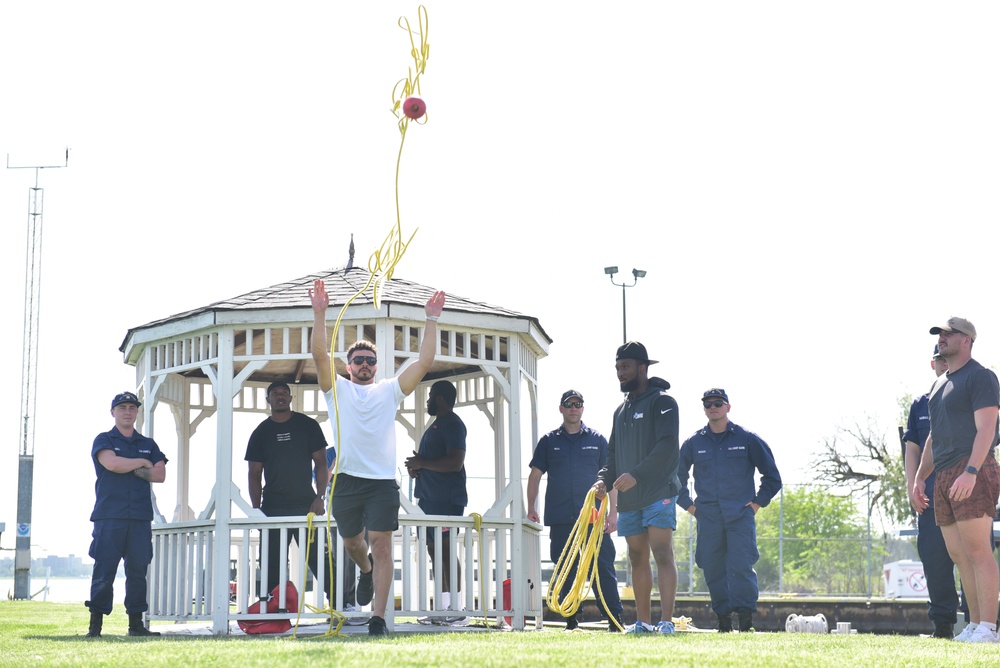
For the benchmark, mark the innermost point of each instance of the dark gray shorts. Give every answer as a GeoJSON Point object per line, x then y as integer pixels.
{"type": "Point", "coordinates": [361, 503]}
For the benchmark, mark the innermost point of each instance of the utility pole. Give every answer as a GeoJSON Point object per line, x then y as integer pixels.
{"type": "Point", "coordinates": [29, 372]}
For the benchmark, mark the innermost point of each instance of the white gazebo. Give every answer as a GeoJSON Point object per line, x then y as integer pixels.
{"type": "Point", "coordinates": [215, 361]}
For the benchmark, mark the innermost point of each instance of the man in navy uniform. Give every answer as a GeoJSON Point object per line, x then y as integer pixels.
{"type": "Point", "coordinates": [126, 463]}
{"type": "Point", "coordinates": [439, 469]}
{"type": "Point", "coordinates": [939, 569]}
{"type": "Point", "coordinates": [572, 455]}
{"type": "Point", "coordinates": [725, 456]}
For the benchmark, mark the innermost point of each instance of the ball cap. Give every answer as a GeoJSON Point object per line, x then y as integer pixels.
{"type": "Point", "coordinates": [633, 350]}
{"type": "Point", "coordinates": [569, 394]}
{"type": "Point", "coordinates": [125, 398]}
{"type": "Point", "coordinates": [278, 383]}
{"type": "Point", "coordinates": [955, 324]}
{"type": "Point", "coordinates": [937, 353]}
{"type": "Point", "coordinates": [716, 392]}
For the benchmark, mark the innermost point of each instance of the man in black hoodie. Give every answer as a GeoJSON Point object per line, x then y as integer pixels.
{"type": "Point", "coordinates": [643, 456]}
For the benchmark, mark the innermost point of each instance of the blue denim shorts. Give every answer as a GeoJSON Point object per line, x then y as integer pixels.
{"type": "Point", "coordinates": [662, 514]}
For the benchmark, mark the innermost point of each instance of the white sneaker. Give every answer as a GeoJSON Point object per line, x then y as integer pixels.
{"type": "Point", "coordinates": [640, 627]}
{"type": "Point", "coordinates": [457, 620]}
{"type": "Point", "coordinates": [354, 621]}
{"type": "Point", "coordinates": [983, 634]}
{"type": "Point", "coordinates": [966, 633]}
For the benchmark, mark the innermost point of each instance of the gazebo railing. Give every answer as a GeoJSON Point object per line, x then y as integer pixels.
{"type": "Point", "coordinates": [181, 579]}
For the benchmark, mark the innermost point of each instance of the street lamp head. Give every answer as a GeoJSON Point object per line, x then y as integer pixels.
{"type": "Point", "coordinates": [611, 271]}
{"type": "Point", "coordinates": [638, 273]}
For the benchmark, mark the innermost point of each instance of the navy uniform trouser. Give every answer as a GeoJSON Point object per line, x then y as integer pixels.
{"type": "Point", "coordinates": [607, 577]}
{"type": "Point", "coordinates": [115, 540]}
{"type": "Point", "coordinates": [726, 552]}
{"type": "Point", "coordinates": [939, 569]}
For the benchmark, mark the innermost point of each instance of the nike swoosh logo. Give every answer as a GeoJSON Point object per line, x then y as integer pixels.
{"type": "Point", "coordinates": [666, 411]}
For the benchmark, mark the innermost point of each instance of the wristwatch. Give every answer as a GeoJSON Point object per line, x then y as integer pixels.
{"type": "Point", "coordinates": [971, 469]}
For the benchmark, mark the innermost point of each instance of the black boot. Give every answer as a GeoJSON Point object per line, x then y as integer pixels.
{"type": "Point", "coordinates": [571, 623]}
{"type": "Point", "coordinates": [96, 624]}
{"type": "Point", "coordinates": [613, 628]}
{"type": "Point", "coordinates": [944, 630]}
{"type": "Point", "coordinates": [136, 627]}
{"type": "Point", "coordinates": [746, 620]}
{"type": "Point", "coordinates": [726, 623]}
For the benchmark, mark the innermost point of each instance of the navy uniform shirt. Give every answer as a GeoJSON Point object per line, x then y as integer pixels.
{"type": "Point", "coordinates": [724, 467]}
{"type": "Point", "coordinates": [123, 496]}
{"type": "Point", "coordinates": [435, 488]}
{"type": "Point", "coordinates": [571, 462]}
{"type": "Point", "coordinates": [918, 427]}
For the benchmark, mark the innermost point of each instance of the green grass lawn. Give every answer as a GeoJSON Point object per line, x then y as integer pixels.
{"type": "Point", "coordinates": [52, 634]}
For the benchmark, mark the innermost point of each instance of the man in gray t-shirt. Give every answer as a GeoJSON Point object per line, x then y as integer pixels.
{"type": "Point", "coordinates": [964, 405]}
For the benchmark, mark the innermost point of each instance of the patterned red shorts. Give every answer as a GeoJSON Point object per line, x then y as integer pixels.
{"type": "Point", "coordinates": [982, 501]}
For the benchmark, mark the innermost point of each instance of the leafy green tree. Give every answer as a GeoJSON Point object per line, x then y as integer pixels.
{"type": "Point", "coordinates": [824, 550]}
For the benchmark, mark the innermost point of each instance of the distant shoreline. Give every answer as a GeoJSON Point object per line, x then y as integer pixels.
{"type": "Point", "coordinates": [61, 589]}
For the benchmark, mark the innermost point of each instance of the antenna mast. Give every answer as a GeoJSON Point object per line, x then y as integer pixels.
{"type": "Point", "coordinates": [29, 371]}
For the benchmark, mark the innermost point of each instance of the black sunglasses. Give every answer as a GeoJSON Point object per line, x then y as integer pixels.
{"type": "Point", "coordinates": [572, 404]}
{"type": "Point", "coordinates": [370, 360]}
{"type": "Point", "coordinates": [717, 404]}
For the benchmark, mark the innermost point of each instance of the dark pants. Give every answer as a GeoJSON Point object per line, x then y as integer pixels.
{"type": "Point", "coordinates": [726, 552]}
{"type": "Point", "coordinates": [437, 535]}
{"type": "Point", "coordinates": [274, 565]}
{"type": "Point", "coordinates": [558, 535]}
{"type": "Point", "coordinates": [115, 540]}
{"type": "Point", "coordinates": [939, 569]}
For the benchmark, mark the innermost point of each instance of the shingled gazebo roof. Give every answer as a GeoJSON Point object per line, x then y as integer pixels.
{"type": "Point", "coordinates": [341, 284]}
{"type": "Point", "coordinates": [289, 302]}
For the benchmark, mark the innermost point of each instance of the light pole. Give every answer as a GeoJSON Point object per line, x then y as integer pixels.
{"type": "Point", "coordinates": [636, 275]}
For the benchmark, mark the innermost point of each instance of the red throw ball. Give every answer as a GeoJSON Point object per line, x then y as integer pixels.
{"type": "Point", "coordinates": [414, 107]}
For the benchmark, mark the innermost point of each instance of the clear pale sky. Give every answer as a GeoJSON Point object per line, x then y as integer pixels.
{"type": "Point", "coordinates": [810, 187]}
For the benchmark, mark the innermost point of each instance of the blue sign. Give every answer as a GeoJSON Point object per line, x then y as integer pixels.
{"type": "Point", "coordinates": [23, 530]}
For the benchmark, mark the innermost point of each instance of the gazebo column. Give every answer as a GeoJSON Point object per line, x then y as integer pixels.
{"type": "Point", "coordinates": [182, 418]}
{"type": "Point", "coordinates": [518, 569]}
{"type": "Point", "coordinates": [146, 423]}
{"type": "Point", "coordinates": [224, 391]}
{"type": "Point", "coordinates": [501, 396]}
{"type": "Point", "coordinates": [186, 429]}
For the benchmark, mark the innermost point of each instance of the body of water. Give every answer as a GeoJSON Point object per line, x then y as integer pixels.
{"type": "Point", "coordinates": [61, 590]}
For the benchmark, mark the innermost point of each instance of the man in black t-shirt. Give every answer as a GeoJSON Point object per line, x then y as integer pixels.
{"type": "Point", "coordinates": [284, 449]}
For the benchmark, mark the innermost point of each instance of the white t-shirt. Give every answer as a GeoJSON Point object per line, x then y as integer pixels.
{"type": "Point", "coordinates": [366, 447]}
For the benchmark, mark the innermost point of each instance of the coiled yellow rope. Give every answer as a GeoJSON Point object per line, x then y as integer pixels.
{"type": "Point", "coordinates": [581, 549]}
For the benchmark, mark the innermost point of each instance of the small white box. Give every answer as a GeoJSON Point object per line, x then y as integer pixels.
{"type": "Point", "coordinates": [905, 579]}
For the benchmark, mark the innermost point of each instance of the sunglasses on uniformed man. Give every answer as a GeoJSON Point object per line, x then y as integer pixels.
{"type": "Point", "coordinates": [572, 404]}
{"type": "Point", "coordinates": [370, 360]}
{"type": "Point", "coordinates": [717, 404]}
